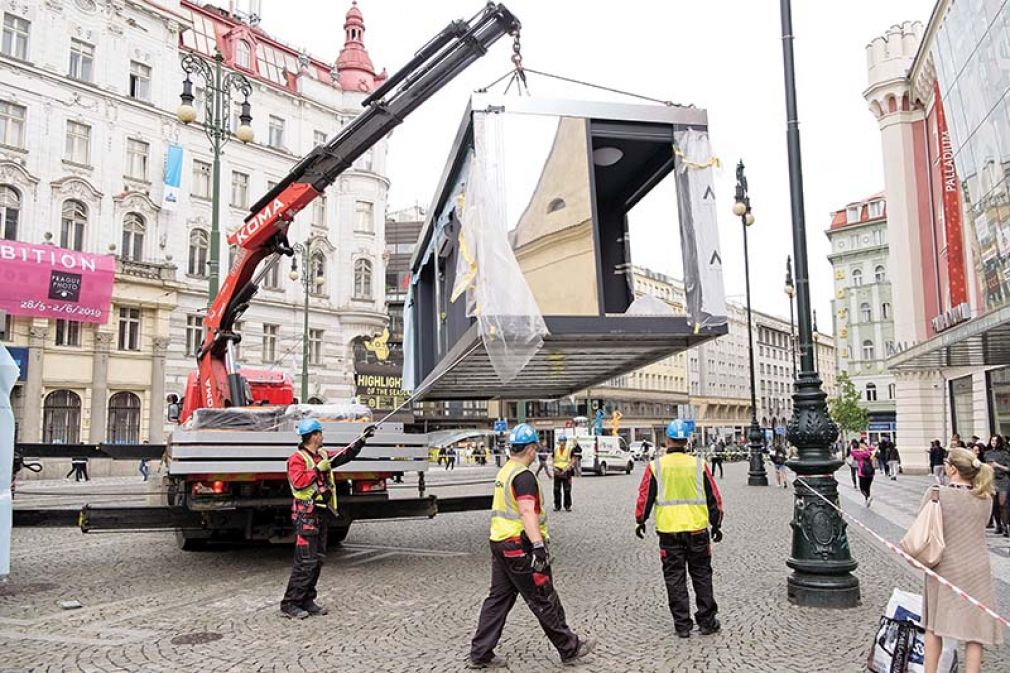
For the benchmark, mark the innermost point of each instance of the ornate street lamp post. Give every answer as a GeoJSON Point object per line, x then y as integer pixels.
{"type": "Point", "coordinates": [757, 475]}
{"type": "Point", "coordinates": [308, 276]}
{"type": "Point", "coordinates": [821, 561]}
{"type": "Point", "coordinates": [791, 292]}
{"type": "Point", "coordinates": [217, 106]}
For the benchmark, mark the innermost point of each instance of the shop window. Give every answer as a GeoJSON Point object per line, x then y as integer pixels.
{"type": "Point", "coordinates": [124, 419]}
{"type": "Point", "coordinates": [61, 418]}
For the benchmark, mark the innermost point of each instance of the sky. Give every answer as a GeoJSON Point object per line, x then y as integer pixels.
{"type": "Point", "coordinates": [721, 55]}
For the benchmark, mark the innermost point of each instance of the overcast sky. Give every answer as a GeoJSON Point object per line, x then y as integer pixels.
{"type": "Point", "coordinates": [721, 55]}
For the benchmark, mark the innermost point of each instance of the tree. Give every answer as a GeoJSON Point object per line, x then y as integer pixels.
{"type": "Point", "coordinates": [846, 410]}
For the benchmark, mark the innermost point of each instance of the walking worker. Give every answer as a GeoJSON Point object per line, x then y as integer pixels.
{"type": "Point", "coordinates": [562, 468]}
{"type": "Point", "coordinates": [520, 562]}
{"type": "Point", "coordinates": [687, 504]}
{"type": "Point", "coordinates": [310, 475]}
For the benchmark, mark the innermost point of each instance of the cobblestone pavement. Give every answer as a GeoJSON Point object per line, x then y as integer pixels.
{"type": "Point", "coordinates": [404, 597]}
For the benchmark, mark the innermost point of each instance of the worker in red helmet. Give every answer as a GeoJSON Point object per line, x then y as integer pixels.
{"type": "Point", "coordinates": [310, 475]}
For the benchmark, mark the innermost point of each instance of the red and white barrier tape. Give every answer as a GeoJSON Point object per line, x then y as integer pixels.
{"type": "Point", "coordinates": [911, 561]}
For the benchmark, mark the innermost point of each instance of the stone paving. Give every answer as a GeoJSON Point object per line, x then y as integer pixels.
{"type": "Point", "coordinates": [404, 597]}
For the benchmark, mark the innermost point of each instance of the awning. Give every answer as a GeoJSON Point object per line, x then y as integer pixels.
{"type": "Point", "coordinates": [982, 342]}
{"type": "Point", "coordinates": [444, 438]}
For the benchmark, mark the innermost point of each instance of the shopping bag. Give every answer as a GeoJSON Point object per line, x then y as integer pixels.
{"type": "Point", "coordinates": [924, 539]}
{"type": "Point", "coordinates": [899, 645]}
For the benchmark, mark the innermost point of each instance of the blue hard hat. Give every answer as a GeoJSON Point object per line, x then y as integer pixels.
{"type": "Point", "coordinates": [309, 425]}
{"type": "Point", "coordinates": [523, 434]}
{"type": "Point", "coordinates": [679, 429]}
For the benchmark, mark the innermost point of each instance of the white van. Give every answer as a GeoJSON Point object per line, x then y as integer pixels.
{"type": "Point", "coordinates": [605, 453]}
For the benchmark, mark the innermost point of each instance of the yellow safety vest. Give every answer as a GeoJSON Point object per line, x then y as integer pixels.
{"type": "Point", "coordinates": [562, 458]}
{"type": "Point", "coordinates": [681, 505]}
{"type": "Point", "coordinates": [311, 492]}
{"type": "Point", "coordinates": [505, 519]}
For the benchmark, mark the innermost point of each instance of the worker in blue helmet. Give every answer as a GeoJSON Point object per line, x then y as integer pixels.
{"type": "Point", "coordinates": [687, 505]}
{"type": "Point", "coordinates": [310, 475]}
{"type": "Point", "coordinates": [520, 563]}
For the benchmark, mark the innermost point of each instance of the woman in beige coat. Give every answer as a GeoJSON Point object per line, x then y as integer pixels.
{"type": "Point", "coordinates": [966, 503]}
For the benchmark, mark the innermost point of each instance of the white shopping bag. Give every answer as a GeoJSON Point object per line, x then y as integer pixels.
{"type": "Point", "coordinates": [899, 645]}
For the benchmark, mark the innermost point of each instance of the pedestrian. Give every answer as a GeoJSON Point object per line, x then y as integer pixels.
{"type": "Point", "coordinates": [717, 457]}
{"type": "Point", "coordinates": [865, 457]}
{"type": "Point", "coordinates": [883, 450]}
{"type": "Point", "coordinates": [998, 458]}
{"type": "Point", "coordinates": [937, 454]}
{"type": "Point", "coordinates": [893, 460]}
{"type": "Point", "coordinates": [450, 458]}
{"type": "Point", "coordinates": [577, 457]}
{"type": "Point", "coordinates": [562, 470]}
{"type": "Point", "coordinates": [779, 461]}
{"type": "Point", "coordinates": [964, 504]}
{"type": "Point", "coordinates": [144, 470]}
{"type": "Point", "coordinates": [520, 560]}
{"type": "Point", "coordinates": [687, 503]}
{"type": "Point", "coordinates": [441, 456]}
{"type": "Point", "coordinates": [310, 476]}
{"type": "Point", "coordinates": [955, 442]}
{"type": "Point", "coordinates": [542, 455]}
{"type": "Point", "coordinates": [79, 468]}
{"type": "Point", "coordinates": [851, 462]}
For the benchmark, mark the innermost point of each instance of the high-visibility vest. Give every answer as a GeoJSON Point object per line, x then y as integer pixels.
{"type": "Point", "coordinates": [505, 519]}
{"type": "Point", "coordinates": [312, 491]}
{"type": "Point", "coordinates": [562, 458]}
{"type": "Point", "coordinates": [681, 505]}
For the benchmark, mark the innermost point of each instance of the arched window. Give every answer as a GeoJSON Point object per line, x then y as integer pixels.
{"type": "Point", "coordinates": [871, 392]}
{"type": "Point", "coordinates": [868, 350]}
{"type": "Point", "coordinates": [61, 418]}
{"type": "Point", "coordinates": [865, 314]}
{"type": "Point", "coordinates": [885, 311]}
{"type": "Point", "coordinates": [10, 210]}
{"type": "Point", "coordinates": [555, 204]}
{"type": "Point", "coordinates": [857, 277]}
{"type": "Point", "coordinates": [890, 391]}
{"type": "Point", "coordinates": [75, 216]}
{"type": "Point", "coordinates": [199, 243]}
{"type": "Point", "coordinates": [362, 279]}
{"type": "Point", "coordinates": [133, 237]}
{"type": "Point", "coordinates": [318, 271]}
{"type": "Point", "coordinates": [879, 275]}
{"type": "Point", "coordinates": [124, 419]}
{"type": "Point", "coordinates": [243, 54]}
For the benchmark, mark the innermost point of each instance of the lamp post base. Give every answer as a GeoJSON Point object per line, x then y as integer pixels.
{"type": "Point", "coordinates": [757, 476]}
{"type": "Point", "coordinates": [818, 591]}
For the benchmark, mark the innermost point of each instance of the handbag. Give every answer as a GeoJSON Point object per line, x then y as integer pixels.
{"type": "Point", "coordinates": [924, 539]}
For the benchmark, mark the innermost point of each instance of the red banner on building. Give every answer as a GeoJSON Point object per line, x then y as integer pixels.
{"type": "Point", "coordinates": [951, 208]}
{"type": "Point", "coordinates": [44, 281]}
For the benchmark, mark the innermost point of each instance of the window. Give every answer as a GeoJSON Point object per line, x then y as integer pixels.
{"type": "Point", "coordinates": [890, 391]}
{"type": "Point", "coordinates": [243, 55]}
{"type": "Point", "coordinates": [61, 418]}
{"type": "Point", "coordinates": [75, 216]}
{"type": "Point", "coordinates": [876, 209]}
{"type": "Point", "coordinates": [133, 237]}
{"type": "Point", "coordinates": [10, 212]}
{"type": "Point", "coordinates": [318, 138]}
{"type": "Point", "coordinates": [555, 204]}
{"type": "Point", "coordinates": [857, 277]}
{"type": "Point", "coordinates": [199, 243]}
{"type": "Point", "coordinates": [269, 342]}
{"type": "Point", "coordinates": [124, 419]}
{"type": "Point", "coordinates": [194, 334]}
{"type": "Point", "coordinates": [364, 162]}
{"type": "Point", "coordinates": [871, 392]}
{"type": "Point", "coordinates": [78, 145]}
{"type": "Point", "coordinates": [885, 311]}
{"type": "Point", "coordinates": [15, 37]}
{"type": "Point", "coordinates": [868, 350]}
{"type": "Point", "coordinates": [319, 211]}
{"type": "Point", "coordinates": [316, 346]}
{"type": "Point", "coordinates": [879, 275]}
{"type": "Point", "coordinates": [82, 60]}
{"type": "Point", "coordinates": [7, 328]}
{"type": "Point", "coordinates": [68, 333]}
{"type": "Point", "coordinates": [318, 273]}
{"type": "Point", "coordinates": [136, 159]}
{"type": "Point", "coordinates": [362, 279]}
{"type": "Point", "coordinates": [12, 124]}
{"type": "Point", "coordinates": [363, 216]}
{"type": "Point", "coordinates": [201, 179]}
{"type": "Point", "coordinates": [865, 314]}
{"type": "Point", "coordinates": [271, 280]}
{"type": "Point", "coordinates": [276, 132]}
{"type": "Point", "coordinates": [852, 214]}
{"type": "Point", "coordinates": [140, 81]}
{"type": "Point", "coordinates": [129, 329]}
{"type": "Point", "coordinates": [239, 190]}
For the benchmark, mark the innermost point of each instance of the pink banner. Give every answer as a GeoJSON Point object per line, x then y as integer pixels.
{"type": "Point", "coordinates": [44, 281]}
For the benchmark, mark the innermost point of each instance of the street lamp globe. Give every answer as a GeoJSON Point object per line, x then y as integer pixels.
{"type": "Point", "coordinates": [739, 208]}
{"type": "Point", "coordinates": [245, 133]}
{"type": "Point", "coordinates": [748, 219]}
{"type": "Point", "coordinates": [790, 289]}
{"type": "Point", "coordinates": [293, 275]}
{"type": "Point", "coordinates": [186, 113]}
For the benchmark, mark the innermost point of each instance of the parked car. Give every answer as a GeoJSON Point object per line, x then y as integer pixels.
{"type": "Point", "coordinates": [605, 453]}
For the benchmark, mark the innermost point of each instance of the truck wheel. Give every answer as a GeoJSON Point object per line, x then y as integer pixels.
{"type": "Point", "coordinates": [337, 534]}
{"type": "Point", "coordinates": [189, 543]}
{"type": "Point", "coordinates": [602, 471]}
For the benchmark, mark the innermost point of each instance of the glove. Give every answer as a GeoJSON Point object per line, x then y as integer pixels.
{"type": "Point", "coordinates": [716, 534]}
{"type": "Point", "coordinates": [324, 464]}
{"type": "Point", "coordinates": [539, 559]}
{"type": "Point", "coordinates": [368, 432]}
{"type": "Point", "coordinates": [640, 531]}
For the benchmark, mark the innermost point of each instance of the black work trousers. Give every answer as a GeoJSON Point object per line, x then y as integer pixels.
{"type": "Point", "coordinates": [684, 553]}
{"type": "Point", "coordinates": [310, 552]}
{"type": "Point", "coordinates": [511, 576]}
{"type": "Point", "coordinates": [563, 484]}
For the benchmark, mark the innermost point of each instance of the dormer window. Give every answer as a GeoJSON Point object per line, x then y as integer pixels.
{"type": "Point", "coordinates": [852, 214]}
{"type": "Point", "coordinates": [243, 54]}
{"type": "Point", "coordinates": [876, 209]}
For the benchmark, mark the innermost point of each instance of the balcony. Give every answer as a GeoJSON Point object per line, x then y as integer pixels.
{"type": "Point", "coordinates": [163, 271]}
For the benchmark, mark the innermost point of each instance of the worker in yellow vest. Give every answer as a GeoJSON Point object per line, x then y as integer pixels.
{"type": "Point", "coordinates": [310, 475]}
{"type": "Point", "coordinates": [687, 503]}
{"type": "Point", "coordinates": [520, 563]}
{"type": "Point", "coordinates": [562, 467]}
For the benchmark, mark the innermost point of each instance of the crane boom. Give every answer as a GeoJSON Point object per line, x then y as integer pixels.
{"type": "Point", "coordinates": [264, 232]}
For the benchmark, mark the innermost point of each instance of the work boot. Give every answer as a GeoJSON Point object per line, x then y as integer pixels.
{"type": "Point", "coordinates": [293, 612]}
{"type": "Point", "coordinates": [585, 647]}
{"type": "Point", "coordinates": [710, 628]}
{"type": "Point", "coordinates": [683, 634]}
{"type": "Point", "coordinates": [494, 662]}
{"type": "Point", "coordinates": [314, 609]}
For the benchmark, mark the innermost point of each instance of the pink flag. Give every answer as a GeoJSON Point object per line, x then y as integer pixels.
{"type": "Point", "coordinates": [44, 281]}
